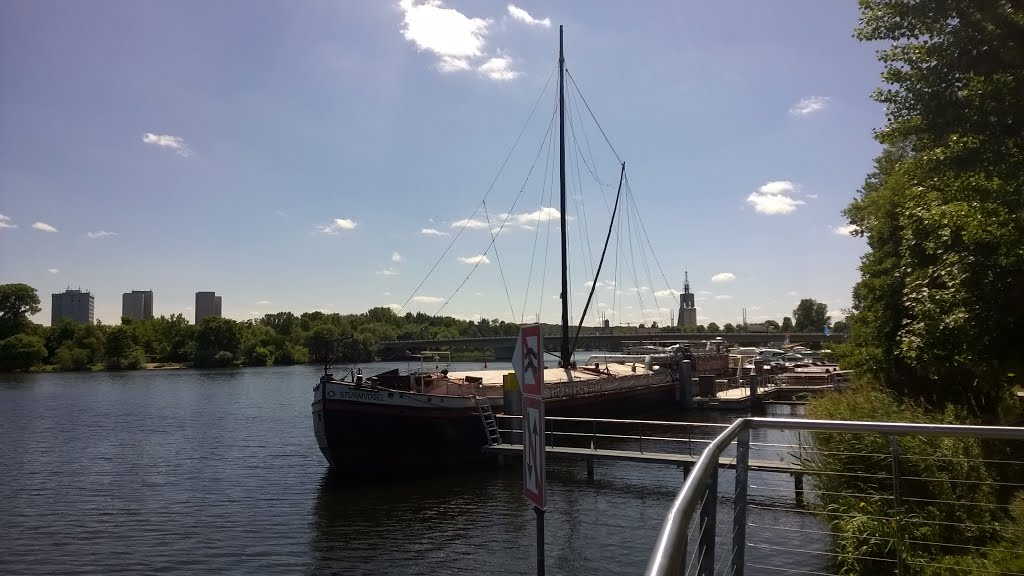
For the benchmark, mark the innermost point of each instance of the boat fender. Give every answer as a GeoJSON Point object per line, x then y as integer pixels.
{"type": "Point", "coordinates": [633, 366]}
{"type": "Point", "coordinates": [648, 362]}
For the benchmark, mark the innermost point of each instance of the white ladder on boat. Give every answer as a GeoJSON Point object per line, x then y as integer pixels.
{"type": "Point", "coordinates": [488, 420]}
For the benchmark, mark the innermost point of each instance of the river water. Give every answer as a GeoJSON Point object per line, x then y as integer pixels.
{"type": "Point", "coordinates": [218, 472]}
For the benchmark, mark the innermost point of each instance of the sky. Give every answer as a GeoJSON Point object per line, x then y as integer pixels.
{"type": "Point", "coordinates": [334, 155]}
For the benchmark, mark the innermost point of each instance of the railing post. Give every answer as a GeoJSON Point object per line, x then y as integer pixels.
{"type": "Point", "coordinates": [593, 441]}
{"type": "Point", "coordinates": [641, 437]}
{"type": "Point", "coordinates": [708, 515]}
{"type": "Point", "coordinates": [739, 503]}
{"type": "Point", "coordinates": [897, 504]}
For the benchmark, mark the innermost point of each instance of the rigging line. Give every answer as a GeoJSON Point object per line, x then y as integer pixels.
{"type": "Point", "coordinates": [632, 265]}
{"type": "Point", "coordinates": [489, 188]}
{"type": "Point", "coordinates": [581, 206]}
{"type": "Point", "coordinates": [497, 258]}
{"type": "Point", "coordinates": [585, 103]}
{"type": "Point", "coordinates": [607, 238]}
{"type": "Point", "coordinates": [502, 226]}
{"type": "Point", "coordinates": [618, 278]}
{"type": "Point", "coordinates": [591, 169]}
{"type": "Point", "coordinates": [536, 232]}
{"type": "Point", "coordinates": [646, 237]}
{"type": "Point", "coordinates": [647, 268]}
{"type": "Point", "coordinates": [590, 151]}
{"type": "Point", "coordinates": [547, 242]}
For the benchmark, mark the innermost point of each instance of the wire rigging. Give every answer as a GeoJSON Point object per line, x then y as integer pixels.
{"type": "Point", "coordinates": [503, 222]}
{"type": "Point", "coordinates": [497, 258]}
{"type": "Point", "coordinates": [486, 194]}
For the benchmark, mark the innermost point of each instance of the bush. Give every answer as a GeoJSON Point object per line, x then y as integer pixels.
{"type": "Point", "coordinates": [290, 354]}
{"type": "Point", "coordinates": [853, 475]}
{"type": "Point", "coordinates": [259, 356]}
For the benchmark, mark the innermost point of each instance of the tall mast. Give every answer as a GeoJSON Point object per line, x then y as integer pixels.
{"type": "Point", "coordinates": [561, 176]}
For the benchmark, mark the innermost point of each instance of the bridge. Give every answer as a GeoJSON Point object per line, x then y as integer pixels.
{"type": "Point", "coordinates": [503, 346]}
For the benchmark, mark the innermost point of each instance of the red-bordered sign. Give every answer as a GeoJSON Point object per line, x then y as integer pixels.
{"type": "Point", "coordinates": [533, 451]}
{"type": "Point", "coordinates": [532, 360]}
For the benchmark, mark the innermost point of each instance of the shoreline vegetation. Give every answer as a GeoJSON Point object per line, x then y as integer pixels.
{"type": "Point", "coordinates": [278, 339]}
{"type": "Point", "coordinates": [937, 311]}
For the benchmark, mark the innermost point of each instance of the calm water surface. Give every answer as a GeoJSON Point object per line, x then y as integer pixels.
{"type": "Point", "coordinates": [217, 472]}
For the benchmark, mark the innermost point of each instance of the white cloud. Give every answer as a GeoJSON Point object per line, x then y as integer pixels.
{"type": "Point", "coordinates": [432, 232]}
{"type": "Point", "coordinates": [666, 293]}
{"type": "Point", "coordinates": [812, 196]}
{"type": "Point", "coordinates": [473, 224]}
{"type": "Point", "coordinates": [387, 272]}
{"type": "Point", "coordinates": [396, 257]}
{"type": "Point", "coordinates": [542, 214]}
{"type": "Point", "coordinates": [53, 270]}
{"type": "Point", "coordinates": [175, 143]}
{"type": "Point", "coordinates": [754, 308]}
{"type": "Point", "coordinates": [498, 68]}
{"type": "Point", "coordinates": [188, 308]}
{"type": "Point", "coordinates": [791, 293]}
{"type": "Point", "coordinates": [810, 105]}
{"type": "Point", "coordinates": [478, 259]}
{"type": "Point", "coordinates": [101, 234]}
{"type": "Point", "coordinates": [846, 230]}
{"type": "Point", "coordinates": [723, 277]}
{"type": "Point", "coordinates": [395, 307]}
{"type": "Point", "coordinates": [5, 222]}
{"type": "Point", "coordinates": [775, 198]}
{"type": "Point", "coordinates": [705, 292]}
{"type": "Point", "coordinates": [478, 293]}
{"type": "Point", "coordinates": [427, 299]}
{"type": "Point", "coordinates": [44, 227]}
{"type": "Point", "coordinates": [837, 314]}
{"type": "Point", "coordinates": [723, 297]}
{"type": "Point", "coordinates": [337, 226]}
{"type": "Point", "coordinates": [453, 37]}
{"type": "Point", "coordinates": [264, 303]}
{"type": "Point", "coordinates": [523, 16]}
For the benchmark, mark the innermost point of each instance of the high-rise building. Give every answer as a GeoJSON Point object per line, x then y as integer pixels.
{"type": "Point", "coordinates": [687, 307]}
{"type": "Point", "coordinates": [73, 305]}
{"type": "Point", "coordinates": [137, 305]}
{"type": "Point", "coordinates": [207, 304]}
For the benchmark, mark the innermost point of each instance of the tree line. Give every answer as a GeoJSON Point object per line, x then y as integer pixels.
{"type": "Point", "coordinates": [281, 338]}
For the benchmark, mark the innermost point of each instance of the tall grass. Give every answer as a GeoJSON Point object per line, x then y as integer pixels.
{"type": "Point", "coordinates": [948, 516]}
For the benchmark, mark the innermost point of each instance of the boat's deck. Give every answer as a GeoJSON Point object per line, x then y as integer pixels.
{"type": "Point", "coordinates": [492, 377]}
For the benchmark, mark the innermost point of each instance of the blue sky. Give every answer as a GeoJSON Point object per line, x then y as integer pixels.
{"type": "Point", "coordinates": [289, 156]}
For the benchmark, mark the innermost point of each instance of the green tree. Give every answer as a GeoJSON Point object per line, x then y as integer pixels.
{"type": "Point", "coordinates": [714, 328]}
{"type": "Point", "coordinates": [787, 324]}
{"type": "Point", "coordinates": [17, 303]}
{"type": "Point", "coordinates": [213, 336]}
{"type": "Point", "coordinates": [320, 341]}
{"type": "Point", "coordinates": [120, 342]}
{"type": "Point", "coordinates": [21, 352]}
{"type": "Point", "coordinates": [811, 315]}
{"type": "Point", "coordinates": [839, 327]}
{"type": "Point", "coordinates": [728, 328]}
{"type": "Point", "coordinates": [937, 309]}
{"type": "Point", "coordinates": [772, 324]}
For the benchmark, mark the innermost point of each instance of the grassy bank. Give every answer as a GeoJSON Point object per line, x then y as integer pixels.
{"type": "Point", "coordinates": [952, 517]}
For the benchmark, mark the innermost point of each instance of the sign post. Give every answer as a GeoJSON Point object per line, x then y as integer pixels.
{"type": "Point", "coordinates": [528, 362]}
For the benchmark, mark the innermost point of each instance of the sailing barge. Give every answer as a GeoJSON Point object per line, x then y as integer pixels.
{"type": "Point", "coordinates": [431, 418]}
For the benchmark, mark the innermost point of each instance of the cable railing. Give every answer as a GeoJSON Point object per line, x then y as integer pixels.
{"type": "Point", "coordinates": [880, 509]}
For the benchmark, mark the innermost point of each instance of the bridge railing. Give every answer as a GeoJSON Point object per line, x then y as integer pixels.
{"type": "Point", "coordinates": [729, 521]}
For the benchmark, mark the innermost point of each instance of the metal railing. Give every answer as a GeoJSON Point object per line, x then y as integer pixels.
{"type": "Point", "coordinates": [697, 537]}
{"type": "Point", "coordinates": [644, 436]}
